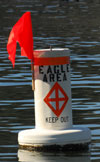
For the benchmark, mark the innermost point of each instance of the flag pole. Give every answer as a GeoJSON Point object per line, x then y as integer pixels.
{"type": "Point", "coordinates": [32, 70]}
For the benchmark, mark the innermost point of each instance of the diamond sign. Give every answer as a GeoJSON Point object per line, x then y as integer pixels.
{"type": "Point", "coordinates": [56, 99]}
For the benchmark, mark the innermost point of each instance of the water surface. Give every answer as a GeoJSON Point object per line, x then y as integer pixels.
{"type": "Point", "coordinates": [56, 23]}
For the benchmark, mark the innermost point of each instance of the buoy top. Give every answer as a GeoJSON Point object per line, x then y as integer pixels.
{"type": "Point", "coordinates": [52, 52]}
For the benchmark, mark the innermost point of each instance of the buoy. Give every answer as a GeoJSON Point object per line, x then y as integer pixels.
{"type": "Point", "coordinates": [53, 110]}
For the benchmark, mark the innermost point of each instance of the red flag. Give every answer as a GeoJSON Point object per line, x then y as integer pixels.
{"type": "Point", "coordinates": [21, 33]}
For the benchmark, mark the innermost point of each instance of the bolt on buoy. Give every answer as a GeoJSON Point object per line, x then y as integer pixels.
{"type": "Point", "coordinates": [53, 110]}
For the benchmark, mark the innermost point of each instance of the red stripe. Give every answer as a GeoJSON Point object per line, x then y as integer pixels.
{"type": "Point", "coordinates": [52, 60]}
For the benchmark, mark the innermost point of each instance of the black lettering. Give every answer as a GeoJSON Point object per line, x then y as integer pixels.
{"type": "Point", "coordinates": [51, 77]}
{"type": "Point", "coordinates": [64, 77]}
{"type": "Point", "coordinates": [59, 77]}
{"type": "Point", "coordinates": [62, 69]}
{"type": "Point", "coordinates": [41, 69]}
{"type": "Point", "coordinates": [49, 70]}
{"type": "Point", "coordinates": [45, 78]}
{"type": "Point", "coordinates": [56, 69]}
{"type": "Point", "coordinates": [51, 119]}
{"type": "Point", "coordinates": [46, 120]}
{"type": "Point", "coordinates": [64, 119]}
{"type": "Point", "coordinates": [67, 67]}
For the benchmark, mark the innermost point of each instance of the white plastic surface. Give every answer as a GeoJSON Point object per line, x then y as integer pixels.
{"type": "Point", "coordinates": [39, 137]}
{"type": "Point", "coordinates": [45, 118]}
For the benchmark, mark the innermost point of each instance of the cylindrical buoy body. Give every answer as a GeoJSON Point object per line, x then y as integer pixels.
{"type": "Point", "coordinates": [53, 110]}
{"type": "Point", "coordinates": [52, 92]}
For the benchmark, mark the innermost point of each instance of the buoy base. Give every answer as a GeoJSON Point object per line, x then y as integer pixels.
{"type": "Point", "coordinates": [42, 140]}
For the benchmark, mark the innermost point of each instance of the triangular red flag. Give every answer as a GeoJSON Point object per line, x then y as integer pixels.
{"type": "Point", "coordinates": [21, 33]}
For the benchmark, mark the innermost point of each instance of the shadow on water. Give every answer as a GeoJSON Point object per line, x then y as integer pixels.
{"type": "Point", "coordinates": [56, 23]}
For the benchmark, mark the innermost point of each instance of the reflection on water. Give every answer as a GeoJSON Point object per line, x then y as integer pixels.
{"type": "Point", "coordinates": [26, 156]}
{"type": "Point", "coordinates": [56, 23]}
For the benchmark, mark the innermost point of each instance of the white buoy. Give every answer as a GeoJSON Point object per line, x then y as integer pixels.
{"type": "Point", "coordinates": [53, 110]}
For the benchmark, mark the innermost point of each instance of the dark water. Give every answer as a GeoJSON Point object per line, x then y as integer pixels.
{"type": "Point", "coordinates": [56, 23]}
